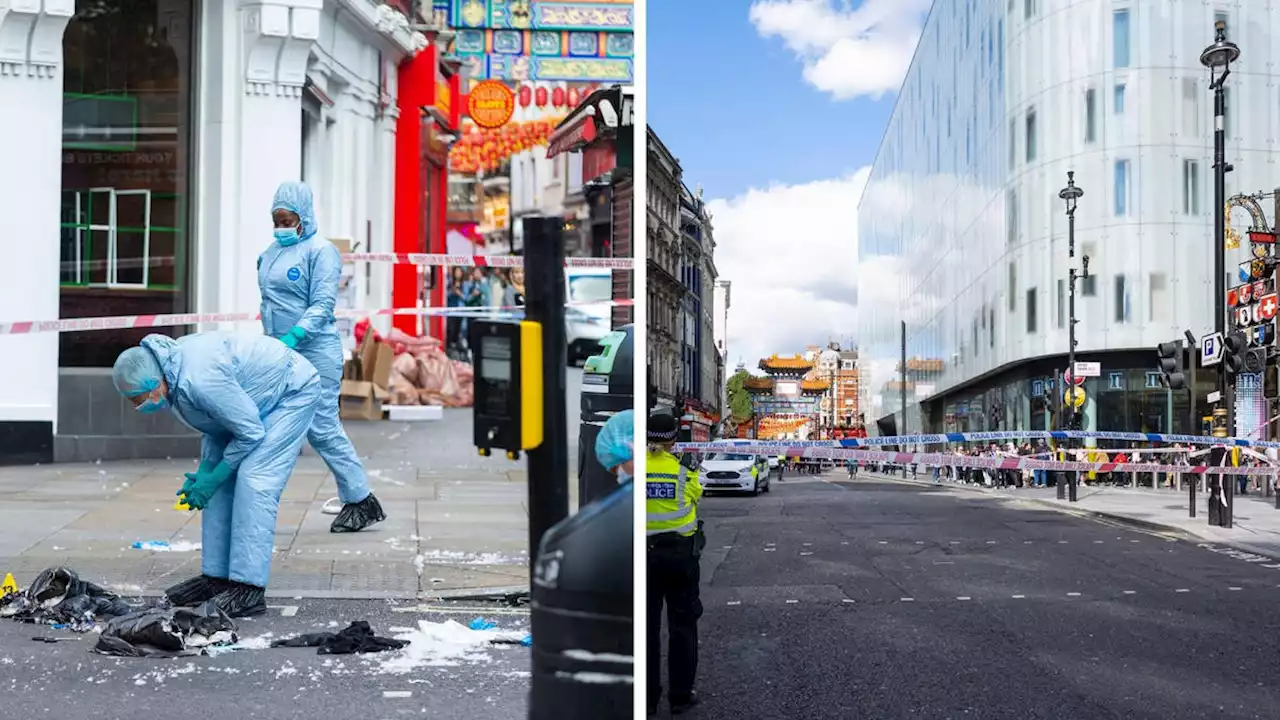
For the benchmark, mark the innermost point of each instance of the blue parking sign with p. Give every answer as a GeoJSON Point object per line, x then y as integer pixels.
{"type": "Point", "coordinates": [660, 490]}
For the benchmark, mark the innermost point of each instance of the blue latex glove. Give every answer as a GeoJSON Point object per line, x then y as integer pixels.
{"type": "Point", "coordinates": [293, 337]}
{"type": "Point", "coordinates": [205, 485]}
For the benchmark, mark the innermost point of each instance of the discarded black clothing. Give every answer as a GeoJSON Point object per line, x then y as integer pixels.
{"type": "Point", "coordinates": [357, 638]}
{"type": "Point", "coordinates": [167, 632]}
{"type": "Point", "coordinates": [59, 597]}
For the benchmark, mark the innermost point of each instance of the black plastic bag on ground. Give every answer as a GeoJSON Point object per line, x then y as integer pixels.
{"type": "Point", "coordinates": [357, 638]}
{"type": "Point", "coordinates": [167, 632]}
{"type": "Point", "coordinates": [58, 596]}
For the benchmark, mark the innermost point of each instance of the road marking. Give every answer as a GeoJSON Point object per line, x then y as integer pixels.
{"type": "Point", "coordinates": [1019, 597]}
{"type": "Point", "coordinates": [964, 597]}
{"type": "Point", "coordinates": [1182, 590]}
{"type": "Point", "coordinates": [734, 602]}
{"type": "Point", "coordinates": [450, 610]}
{"type": "Point", "coordinates": [397, 693]}
{"type": "Point", "coordinates": [908, 599]}
{"type": "Point", "coordinates": [792, 602]}
{"type": "Point", "coordinates": [1073, 594]}
{"type": "Point", "coordinates": [944, 562]}
{"type": "Point", "coordinates": [285, 610]}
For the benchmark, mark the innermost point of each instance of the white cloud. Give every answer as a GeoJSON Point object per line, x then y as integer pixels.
{"type": "Point", "coordinates": [791, 252]}
{"type": "Point", "coordinates": [847, 50]}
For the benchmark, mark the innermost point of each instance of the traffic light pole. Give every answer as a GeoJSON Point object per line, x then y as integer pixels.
{"type": "Point", "coordinates": [1191, 416]}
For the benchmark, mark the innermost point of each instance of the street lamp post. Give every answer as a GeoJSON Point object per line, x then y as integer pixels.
{"type": "Point", "coordinates": [1218, 58]}
{"type": "Point", "coordinates": [1071, 194]}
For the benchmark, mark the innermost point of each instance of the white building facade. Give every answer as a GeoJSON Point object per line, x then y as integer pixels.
{"type": "Point", "coordinates": [140, 147]}
{"type": "Point", "coordinates": [963, 236]}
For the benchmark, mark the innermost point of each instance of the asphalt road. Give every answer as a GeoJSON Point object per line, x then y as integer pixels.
{"type": "Point", "coordinates": [873, 599]}
{"type": "Point", "coordinates": [67, 681]}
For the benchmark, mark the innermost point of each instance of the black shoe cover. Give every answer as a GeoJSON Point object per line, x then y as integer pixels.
{"type": "Point", "coordinates": [358, 516]}
{"type": "Point", "coordinates": [241, 600]}
{"type": "Point", "coordinates": [190, 593]}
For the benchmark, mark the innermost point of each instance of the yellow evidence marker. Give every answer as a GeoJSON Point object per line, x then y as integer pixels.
{"type": "Point", "coordinates": [9, 586]}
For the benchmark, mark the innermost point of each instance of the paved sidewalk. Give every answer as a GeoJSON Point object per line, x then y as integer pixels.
{"type": "Point", "coordinates": [1256, 526]}
{"type": "Point", "coordinates": [457, 523]}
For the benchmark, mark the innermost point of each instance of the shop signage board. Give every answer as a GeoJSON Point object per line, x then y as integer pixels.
{"type": "Point", "coordinates": [491, 104]}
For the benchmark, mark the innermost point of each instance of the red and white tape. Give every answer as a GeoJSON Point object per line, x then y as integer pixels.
{"type": "Point", "coordinates": [497, 261]}
{"type": "Point", "coordinates": [424, 259]}
{"type": "Point", "coordinates": [120, 322]}
{"type": "Point", "coordinates": [990, 463]}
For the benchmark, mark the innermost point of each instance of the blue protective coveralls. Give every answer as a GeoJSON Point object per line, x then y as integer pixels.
{"type": "Point", "coordinates": [253, 399]}
{"type": "Point", "coordinates": [299, 285]}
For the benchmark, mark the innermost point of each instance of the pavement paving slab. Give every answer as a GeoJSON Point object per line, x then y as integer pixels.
{"type": "Point", "coordinates": [456, 522]}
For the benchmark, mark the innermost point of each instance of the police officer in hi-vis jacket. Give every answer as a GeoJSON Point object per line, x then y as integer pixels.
{"type": "Point", "coordinates": [675, 542]}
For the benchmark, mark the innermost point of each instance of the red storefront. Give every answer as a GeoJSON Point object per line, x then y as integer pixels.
{"type": "Point", "coordinates": [429, 101]}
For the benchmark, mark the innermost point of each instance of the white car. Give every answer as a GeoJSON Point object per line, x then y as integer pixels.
{"type": "Point", "coordinates": [738, 472]}
{"type": "Point", "coordinates": [588, 319]}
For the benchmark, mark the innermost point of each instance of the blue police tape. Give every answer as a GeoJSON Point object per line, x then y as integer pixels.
{"type": "Point", "coordinates": [944, 438]}
{"type": "Point", "coordinates": [986, 463]}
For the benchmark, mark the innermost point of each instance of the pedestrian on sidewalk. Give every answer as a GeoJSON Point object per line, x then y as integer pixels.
{"type": "Point", "coordinates": [298, 276]}
{"type": "Point", "coordinates": [253, 400]}
{"type": "Point", "coordinates": [675, 542]}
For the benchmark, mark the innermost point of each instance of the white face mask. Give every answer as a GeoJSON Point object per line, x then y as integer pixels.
{"type": "Point", "coordinates": [623, 476]}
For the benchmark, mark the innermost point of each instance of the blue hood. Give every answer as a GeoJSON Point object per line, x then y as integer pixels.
{"type": "Point", "coordinates": [165, 350]}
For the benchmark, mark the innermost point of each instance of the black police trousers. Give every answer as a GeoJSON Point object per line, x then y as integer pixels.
{"type": "Point", "coordinates": [673, 577]}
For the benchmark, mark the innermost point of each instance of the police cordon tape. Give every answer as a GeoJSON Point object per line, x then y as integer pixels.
{"type": "Point", "coordinates": [970, 461]}
{"type": "Point", "coordinates": [424, 259]}
{"type": "Point", "coordinates": [122, 322]}
{"type": "Point", "coordinates": [946, 438]}
{"type": "Point", "coordinates": [497, 261]}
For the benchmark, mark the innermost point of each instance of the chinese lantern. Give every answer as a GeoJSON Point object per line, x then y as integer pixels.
{"type": "Point", "coordinates": [540, 97]}
{"type": "Point", "coordinates": [573, 98]}
{"type": "Point", "coordinates": [526, 95]}
{"type": "Point", "coordinates": [557, 97]}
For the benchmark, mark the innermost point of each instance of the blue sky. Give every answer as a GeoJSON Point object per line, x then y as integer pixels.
{"type": "Point", "coordinates": [716, 96]}
{"type": "Point", "coordinates": [776, 108]}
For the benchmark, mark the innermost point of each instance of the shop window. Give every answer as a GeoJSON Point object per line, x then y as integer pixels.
{"type": "Point", "coordinates": [1115, 381]}
{"type": "Point", "coordinates": [1154, 381]}
{"type": "Point", "coordinates": [125, 165]}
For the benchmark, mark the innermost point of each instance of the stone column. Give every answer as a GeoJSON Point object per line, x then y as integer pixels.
{"type": "Point", "coordinates": [30, 190]}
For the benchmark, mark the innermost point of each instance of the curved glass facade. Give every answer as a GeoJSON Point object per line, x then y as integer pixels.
{"type": "Point", "coordinates": [962, 235]}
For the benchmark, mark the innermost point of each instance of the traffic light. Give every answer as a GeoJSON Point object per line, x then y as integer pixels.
{"type": "Point", "coordinates": [1171, 364]}
{"type": "Point", "coordinates": [1234, 348]}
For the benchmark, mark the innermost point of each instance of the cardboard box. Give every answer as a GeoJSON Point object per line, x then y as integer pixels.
{"type": "Point", "coordinates": [365, 378]}
{"type": "Point", "coordinates": [343, 244]}
{"type": "Point", "coordinates": [360, 400]}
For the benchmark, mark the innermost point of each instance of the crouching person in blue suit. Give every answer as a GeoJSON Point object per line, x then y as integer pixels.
{"type": "Point", "coordinates": [253, 399]}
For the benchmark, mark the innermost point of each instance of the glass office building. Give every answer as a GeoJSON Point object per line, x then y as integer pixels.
{"type": "Point", "coordinates": [963, 239]}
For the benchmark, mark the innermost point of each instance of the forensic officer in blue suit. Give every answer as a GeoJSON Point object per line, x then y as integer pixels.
{"type": "Point", "coordinates": [298, 276]}
{"type": "Point", "coordinates": [253, 400]}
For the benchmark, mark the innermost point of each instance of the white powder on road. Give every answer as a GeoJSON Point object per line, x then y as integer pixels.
{"type": "Point", "coordinates": [441, 644]}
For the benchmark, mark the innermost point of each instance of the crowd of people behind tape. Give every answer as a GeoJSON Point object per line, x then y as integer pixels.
{"type": "Point", "coordinates": [1105, 452]}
